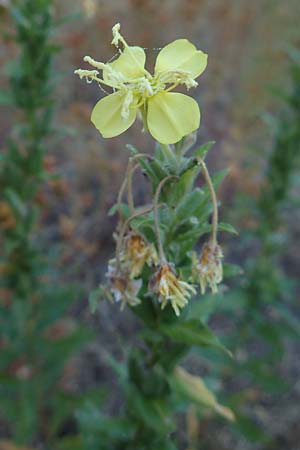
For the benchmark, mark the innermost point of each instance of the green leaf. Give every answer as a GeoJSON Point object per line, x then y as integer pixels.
{"type": "Point", "coordinates": [202, 151]}
{"type": "Point", "coordinates": [219, 177]}
{"type": "Point", "coordinates": [227, 227]}
{"type": "Point", "coordinates": [145, 164]}
{"type": "Point", "coordinates": [188, 205]}
{"type": "Point", "coordinates": [193, 332]}
{"type": "Point", "coordinates": [15, 201]}
{"type": "Point", "coordinates": [124, 210]}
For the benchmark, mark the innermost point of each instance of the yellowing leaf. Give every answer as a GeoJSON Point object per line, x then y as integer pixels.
{"type": "Point", "coordinates": [194, 388]}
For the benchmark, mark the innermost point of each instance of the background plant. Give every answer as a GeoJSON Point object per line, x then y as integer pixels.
{"type": "Point", "coordinates": [36, 339]}
{"type": "Point", "coordinates": [262, 307]}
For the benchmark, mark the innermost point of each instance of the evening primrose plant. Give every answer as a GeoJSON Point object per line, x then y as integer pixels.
{"type": "Point", "coordinates": [156, 271]}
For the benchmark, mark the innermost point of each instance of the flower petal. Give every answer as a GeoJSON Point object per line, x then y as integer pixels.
{"type": "Point", "coordinates": [107, 115]}
{"type": "Point", "coordinates": [181, 55]}
{"type": "Point", "coordinates": [172, 116]}
{"type": "Point", "coordinates": [131, 62]}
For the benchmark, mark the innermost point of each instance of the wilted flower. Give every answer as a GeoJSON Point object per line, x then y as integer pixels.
{"type": "Point", "coordinates": [121, 287]}
{"type": "Point", "coordinates": [170, 288]}
{"type": "Point", "coordinates": [207, 269]}
{"type": "Point", "coordinates": [137, 252]}
{"type": "Point", "coordinates": [168, 116]}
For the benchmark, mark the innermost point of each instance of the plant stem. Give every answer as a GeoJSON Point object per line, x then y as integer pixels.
{"type": "Point", "coordinates": [128, 182]}
{"type": "Point", "coordinates": [213, 199]}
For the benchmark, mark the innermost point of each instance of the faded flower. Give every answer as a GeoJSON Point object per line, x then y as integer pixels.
{"type": "Point", "coordinates": [207, 268]}
{"type": "Point", "coordinates": [169, 288]}
{"type": "Point", "coordinates": [121, 287]}
{"type": "Point", "coordinates": [137, 252]}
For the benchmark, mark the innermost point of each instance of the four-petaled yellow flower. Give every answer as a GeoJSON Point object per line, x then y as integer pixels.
{"type": "Point", "coordinates": [169, 288]}
{"type": "Point", "coordinates": [167, 115]}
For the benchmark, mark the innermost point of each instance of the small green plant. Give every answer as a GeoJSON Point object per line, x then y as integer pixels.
{"type": "Point", "coordinates": [155, 271]}
{"type": "Point", "coordinates": [36, 342]}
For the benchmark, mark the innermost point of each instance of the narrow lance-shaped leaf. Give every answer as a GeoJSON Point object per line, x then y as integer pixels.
{"type": "Point", "coordinates": [194, 333]}
{"type": "Point", "coordinates": [194, 389]}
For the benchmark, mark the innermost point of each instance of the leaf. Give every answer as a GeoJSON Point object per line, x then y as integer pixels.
{"type": "Point", "coordinates": [194, 389]}
{"type": "Point", "coordinates": [145, 164]}
{"type": "Point", "coordinates": [203, 228]}
{"type": "Point", "coordinates": [202, 151]}
{"type": "Point", "coordinates": [187, 175]}
{"type": "Point", "coordinates": [193, 332]}
{"type": "Point", "coordinates": [227, 227]}
{"type": "Point", "coordinates": [124, 210]}
{"type": "Point", "coordinates": [16, 202]}
{"type": "Point", "coordinates": [188, 205]}
{"type": "Point", "coordinates": [219, 177]}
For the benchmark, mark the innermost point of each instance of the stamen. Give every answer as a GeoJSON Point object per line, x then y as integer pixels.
{"type": "Point", "coordinates": [94, 63]}
{"type": "Point", "coordinates": [117, 37]}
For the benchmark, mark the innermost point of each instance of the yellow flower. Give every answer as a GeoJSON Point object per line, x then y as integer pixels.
{"type": "Point", "coordinates": [137, 253]}
{"type": "Point", "coordinates": [170, 288]}
{"type": "Point", "coordinates": [208, 268]}
{"type": "Point", "coordinates": [121, 287]}
{"type": "Point", "coordinates": [167, 115]}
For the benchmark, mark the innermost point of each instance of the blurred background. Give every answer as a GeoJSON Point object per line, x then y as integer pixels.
{"type": "Point", "coordinates": [249, 97]}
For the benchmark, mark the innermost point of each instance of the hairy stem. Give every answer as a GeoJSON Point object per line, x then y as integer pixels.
{"type": "Point", "coordinates": [128, 182]}
{"type": "Point", "coordinates": [213, 199]}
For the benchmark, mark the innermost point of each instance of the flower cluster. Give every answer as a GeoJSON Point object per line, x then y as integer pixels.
{"type": "Point", "coordinates": [167, 115]}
